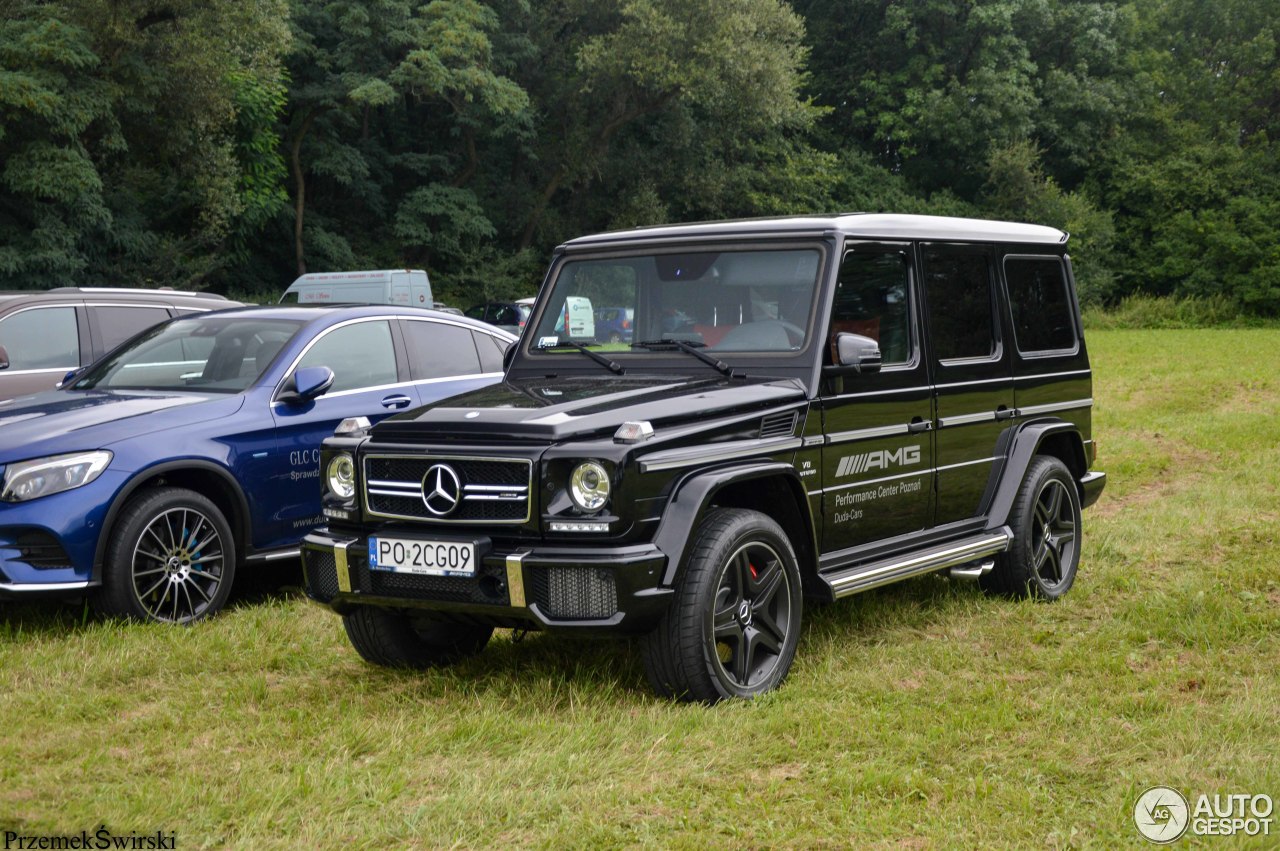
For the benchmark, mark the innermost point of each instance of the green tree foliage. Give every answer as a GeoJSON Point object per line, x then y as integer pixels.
{"type": "Point", "coordinates": [138, 137]}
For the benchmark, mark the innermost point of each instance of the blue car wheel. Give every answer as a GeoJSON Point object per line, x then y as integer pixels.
{"type": "Point", "coordinates": [171, 559]}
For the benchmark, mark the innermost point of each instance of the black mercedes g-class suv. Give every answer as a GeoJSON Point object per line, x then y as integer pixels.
{"type": "Point", "coordinates": [808, 408]}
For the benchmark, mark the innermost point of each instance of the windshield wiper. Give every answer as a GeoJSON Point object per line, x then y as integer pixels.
{"type": "Point", "coordinates": [610, 364]}
{"type": "Point", "coordinates": [691, 348]}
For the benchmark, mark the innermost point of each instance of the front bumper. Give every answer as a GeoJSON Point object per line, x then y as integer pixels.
{"type": "Point", "coordinates": [583, 589]}
{"type": "Point", "coordinates": [48, 545]}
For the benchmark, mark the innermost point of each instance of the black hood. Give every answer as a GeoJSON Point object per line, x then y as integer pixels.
{"type": "Point", "coordinates": [554, 409]}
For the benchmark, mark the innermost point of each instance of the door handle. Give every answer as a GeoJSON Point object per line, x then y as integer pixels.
{"type": "Point", "coordinates": [1005, 413]}
{"type": "Point", "coordinates": [918, 425]}
{"type": "Point", "coordinates": [397, 401]}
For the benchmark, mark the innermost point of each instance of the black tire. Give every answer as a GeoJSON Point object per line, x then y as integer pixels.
{"type": "Point", "coordinates": [1045, 553]}
{"type": "Point", "coordinates": [732, 629]}
{"type": "Point", "coordinates": [397, 639]}
{"type": "Point", "coordinates": [171, 558]}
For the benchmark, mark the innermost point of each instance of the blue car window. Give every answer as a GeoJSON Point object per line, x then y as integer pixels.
{"type": "Point", "coordinates": [219, 354]}
{"type": "Point", "coordinates": [360, 355]}
{"type": "Point", "coordinates": [439, 350]}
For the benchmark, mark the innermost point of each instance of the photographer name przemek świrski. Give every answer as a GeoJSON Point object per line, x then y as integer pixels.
{"type": "Point", "coordinates": [100, 838]}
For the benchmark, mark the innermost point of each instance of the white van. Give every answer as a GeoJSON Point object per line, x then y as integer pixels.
{"type": "Point", "coordinates": [388, 286]}
{"type": "Point", "coordinates": [578, 317]}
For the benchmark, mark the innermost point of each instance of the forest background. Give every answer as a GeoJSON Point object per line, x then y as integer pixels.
{"type": "Point", "coordinates": [231, 146]}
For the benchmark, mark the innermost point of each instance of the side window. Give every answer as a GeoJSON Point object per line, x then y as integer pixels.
{"type": "Point", "coordinates": [439, 350]}
{"type": "Point", "coordinates": [43, 338]}
{"type": "Point", "coordinates": [476, 311]}
{"type": "Point", "coordinates": [117, 324]}
{"type": "Point", "coordinates": [360, 355]}
{"type": "Point", "coordinates": [1043, 318]}
{"type": "Point", "coordinates": [873, 299]}
{"type": "Point", "coordinates": [491, 351]}
{"type": "Point", "coordinates": [961, 314]}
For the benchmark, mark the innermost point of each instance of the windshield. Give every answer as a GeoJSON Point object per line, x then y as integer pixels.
{"type": "Point", "coordinates": [217, 354]}
{"type": "Point", "coordinates": [717, 301]}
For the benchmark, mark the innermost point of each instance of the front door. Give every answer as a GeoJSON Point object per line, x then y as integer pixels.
{"type": "Point", "coordinates": [877, 447]}
{"type": "Point", "coordinates": [972, 372]}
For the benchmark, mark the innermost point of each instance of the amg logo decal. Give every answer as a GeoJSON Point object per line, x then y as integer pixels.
{"type": "Point", "coordinates": [881, 459]}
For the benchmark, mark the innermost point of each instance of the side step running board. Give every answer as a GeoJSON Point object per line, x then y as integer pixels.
{"type": "Point", "coordinates": [863, 577]}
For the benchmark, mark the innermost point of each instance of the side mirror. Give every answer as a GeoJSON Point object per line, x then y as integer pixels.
{"type": "Point", "coordinates": [509, 355]}
{"type": "Point", "coordinates": [858, 353]}
{"type": "Point", "coordinates": [67, 379]}
{"type": "Point", "coordinates": [307, 383]}
{"type": "Point", "coordinates": [4, 358]}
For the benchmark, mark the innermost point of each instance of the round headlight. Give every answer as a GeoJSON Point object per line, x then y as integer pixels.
{"type": "Point", "coordinates": [589, 486]}
{"type": "Point", "coordinates": [341, 476]}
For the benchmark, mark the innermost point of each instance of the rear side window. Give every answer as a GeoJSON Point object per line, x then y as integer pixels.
{"type": "Point", "coordinates": [961, 307]}
{"type": "Point", "coordinates": [117, 324]}
{"type": "Point", "coordinates": [1043, 318]}
{"type": "Point", "coordinates": [439, 350]}
{"type": "Point", "coordinates": [491, 351]}
{"type": "Point", "coordinates": [43, 338]}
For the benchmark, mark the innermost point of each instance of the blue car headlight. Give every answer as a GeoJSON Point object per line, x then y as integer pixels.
{"type": "Point", "coordinates": [38, 477]}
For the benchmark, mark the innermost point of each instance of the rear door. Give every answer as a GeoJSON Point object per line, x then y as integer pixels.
{"type": "Point", "coordinates": [877, 441]}
{"type": "Point", "coordinates": [972, 371]}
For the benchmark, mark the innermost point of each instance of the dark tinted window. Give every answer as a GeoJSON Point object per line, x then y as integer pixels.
{"type": "Point", "coordinates": [491, 351]}
{"type": "Point", "coordinates": [437, 350]}
{"type": "Point", "coordinates": [1043, 319]}
{"type": "Point", "coordinates": [43, 338]}
{"type": "Point", "coordinates": [117, 324]}
{"type": "Point", "coordinates": [961, 318]}
{"type": "Point", "coordinates": [476, 312]}
{"type": "Point", "coordinates": [360, 355]}
{"type": "Point", "coordinates": [873, 299]}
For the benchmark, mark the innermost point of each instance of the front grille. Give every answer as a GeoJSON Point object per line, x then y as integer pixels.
{"type": "Point", "coordinates": [321, 572]}
{"type": "Point", "coordinates": [491, 490]}
{"type": "Point", "coordinates": [575, 593]}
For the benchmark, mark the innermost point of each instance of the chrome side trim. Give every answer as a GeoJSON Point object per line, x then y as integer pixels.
{"type": "Point", "coordinates": [862, 483]}
{"type": "Point", "coordinates": [687, 456]}
{"type": "Point", "coordinates": [864, 577]}
{"type": "Point", "coordinates": [965, 464]}
{"type": "Point", "coordinates": [814, 440]}
{"type": "Point", "coordinates": [1033, 376]}
{"type": "Point", "coordinates": [867, 433]}
{"type": "Point", "coordinates": [30, 587]}
{"type": "Point", "coordinates": [967, 419]}
{"type": "Point", "coordinates": [274, 555]}
{"type": "Point", "coordinates": [515, 580]}
{"type": "Point", "coordinates": [1032, 410]}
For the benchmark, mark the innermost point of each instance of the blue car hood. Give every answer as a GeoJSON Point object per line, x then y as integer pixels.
{"type": "Point", "coordinates": [56, 421]}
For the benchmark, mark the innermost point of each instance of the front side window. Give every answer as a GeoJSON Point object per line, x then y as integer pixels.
{"type": "Point", "coordinates": [360, 355]}
{"type": "Point", "coordinates": [723, 301]}
{"type": "Point", "coordinates": [873, 299]}
{"type": "Point", "coordinates": [1043, 316]}
{"type": "Point", "coordinates": [214, 354]}
{"type": "Point", "coordinates": [42, 338]}
{"type": "Point", "coordinates": [961, 305]}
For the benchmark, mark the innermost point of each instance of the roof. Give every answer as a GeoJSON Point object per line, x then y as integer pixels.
{"type": "Point", "coordinates": [855, 225]}
{"type": "Point", "coordinates": [332, 313]}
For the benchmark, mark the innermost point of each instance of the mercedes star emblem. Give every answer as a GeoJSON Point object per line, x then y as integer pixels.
{"type": "Point", "coordinates": [441, 490]}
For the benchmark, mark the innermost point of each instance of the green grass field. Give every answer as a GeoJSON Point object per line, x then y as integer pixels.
{"type": "Point", "coordinates": [922, 715]}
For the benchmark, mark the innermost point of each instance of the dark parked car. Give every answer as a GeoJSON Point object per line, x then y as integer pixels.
{"type": "Point", "coordinates": [508, 315]}
{"type": "Point", "coordinates": [844, 402]}
{"type": "Point", "coordinates": [614, 324]}
{"type": "Point", "coordinates": [193, 450]}
{"type": "Point", "coordinates": [45, 334]}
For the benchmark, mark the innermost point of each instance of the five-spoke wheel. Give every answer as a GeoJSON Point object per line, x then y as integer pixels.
{"type": "Point", "coordinates": [733, 627]}
{"type": "Point", "coordinates": [1045, 553]}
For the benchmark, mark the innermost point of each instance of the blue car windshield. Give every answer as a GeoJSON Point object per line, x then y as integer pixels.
{"type": "Point", "coordinates": [208, 354]}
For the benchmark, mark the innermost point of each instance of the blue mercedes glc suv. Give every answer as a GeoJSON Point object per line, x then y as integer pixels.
{"type": "Point", "coordinates": [193, 449]}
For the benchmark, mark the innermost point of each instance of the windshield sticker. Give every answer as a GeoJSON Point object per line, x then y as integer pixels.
{"type": "Point", "coordinates": [548, 342]}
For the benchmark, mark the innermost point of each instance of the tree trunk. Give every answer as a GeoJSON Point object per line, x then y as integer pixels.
{"type": "Point", "coordinates": [300, 189]}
